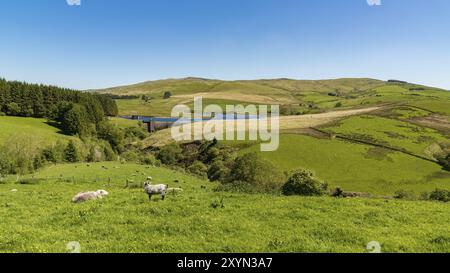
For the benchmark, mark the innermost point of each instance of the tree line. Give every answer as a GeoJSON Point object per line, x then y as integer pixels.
{"type": "Point", "coordinates": [75, 111]}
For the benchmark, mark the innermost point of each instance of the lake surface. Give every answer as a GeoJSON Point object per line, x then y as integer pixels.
{"type": "Point", "coordinates": [186, 120]}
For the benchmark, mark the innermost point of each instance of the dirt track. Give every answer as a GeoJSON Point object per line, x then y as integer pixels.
{"type": "Point", "coordinates": [163, 137]}
{"type": "Point", "coordinates": [250, 98]}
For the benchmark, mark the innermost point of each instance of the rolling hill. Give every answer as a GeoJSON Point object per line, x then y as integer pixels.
{"type": "Point", "coordinates": [40, 217]}
{"type": "Point", "coordinates": [37, 129]}
{"type": "Point", "coordinates": [362, 134]}
{"type": "Point", "coordinates": [294, 96]}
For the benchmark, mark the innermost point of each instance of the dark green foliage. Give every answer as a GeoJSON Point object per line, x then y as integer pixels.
{"type": "Point", "coordinates": [110, 155]}
{"type": "Point", "coordinates": [108, 105]}
{"type": "Point", "coordinates": [135, 133]}
{"type": "Point", "coordinates": [130, 156]}
{"type": "Point", "coordinates": [303, 182]}
{"type": "Point", "coordinates": [440, 195]}
{"type": "Point", "coordinates": [76, 121]}
{"type": "Point", "coordinates": [4, 165]}
{"type": "Point", "coordinates": [258, 173]}
{"type": "Point", "coordinates": [30, 181]}
{"type": "Point", "coordinates": [72, 154]}
{"type": "Point", "coordinates": [54, 154]}
{"type": "Point", "coordinates": [445, 162]}
{"type": "Point", "coordinates": [39, 100]}
{"type": "Point", "coordinates": [402, 194]}
{"type": "Point", "coordinates": [218, 171]}
{"type": "Point", "coordinates": [149, 159]}
{"type": "Point", "coordinates": [167, 95]}
{"type": "Point", "coordinates": [171, 154]}
{"type": "Point", "coordinates": [112, 134]}
{"type": "Point", "coordinates": [13, 109]}
{"type": "Point", "coordinates": [76, 113]}
{"type": "Point", "coordinates": [337, 192]}
{"type": "Point", "coordinates": [198, 168]}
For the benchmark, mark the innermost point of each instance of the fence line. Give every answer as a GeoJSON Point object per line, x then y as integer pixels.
{"type": "Point", "coordinates": [343, 137]}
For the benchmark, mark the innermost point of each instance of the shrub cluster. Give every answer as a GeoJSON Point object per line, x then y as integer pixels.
{"type": "Point", "coordinates": [208, 159]}
{"type": "Point", "coordinates": [303, 182]}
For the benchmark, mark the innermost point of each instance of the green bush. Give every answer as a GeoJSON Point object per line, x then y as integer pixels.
{"type": "Point", "coordinates": [445, 162]}
{"type": "Point", "coordinates": [303, 182]}
{"type": "Point", "coordinates": [150, 159]}
{"type": "Point", "coordinates": [112, 134]}
{"type": "Point", "coordinates": [259, 174]}
{"type": "Point", "coordinates": [134, 133]}
{"type": "Point", "coordinates": [76, 121]}
{"type": "Point", "coordinates": [13, 109]}
{"type": "Point", "coordinates": [402, 194]}
{"type": "Point", "coordinates": [2, 114]}
{"type": "Point", "coordinates": [218, 171]}
{"type": "Point", "coordinates": [440, 195]}
{"type": "Point", "coordinates": [337, 192]}
{"type": "Point", "coordinates": [198, 168]}
{"type": "Point", "coordinates": [130, 156]}
{"type": "Point", "coordinates": [170, 154]}
{"type": "Point", "coordinates": [72, 153]}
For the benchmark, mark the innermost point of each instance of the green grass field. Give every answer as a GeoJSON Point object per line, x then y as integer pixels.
{"type": "Point", "coordinates": [356, 167]}
{"type": "Point", "coordinates": [41, 218]}
{"type": "Point", "coordinates": [350, 93]}
{"type": "Point", "coordinates": [391, 133]}
{"type": "Point", "coordinates": [38, 129]}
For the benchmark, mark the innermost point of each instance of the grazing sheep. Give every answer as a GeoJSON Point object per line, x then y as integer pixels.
{"type": "Point", "coordinates": [155, 189]}
{"type": "Point", "coordinates": [91, 195]}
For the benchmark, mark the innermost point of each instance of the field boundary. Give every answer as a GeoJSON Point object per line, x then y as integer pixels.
{"type": "Point", "coordinates": [343, 137]}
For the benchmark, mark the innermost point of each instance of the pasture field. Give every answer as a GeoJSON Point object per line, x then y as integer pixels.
{"type": "Point", "coordinates": [41, 218]}
{"type": "Point", "coordinates": [391, 133]}
{"type": "Point", "coordinates": [38, 129]}
{"type": "Point", "coordinates": [356, 167]}
{"type": "Point", "coordinates": [309, 96]}
{"type": "Point", "coordinates": [163, 137]}
{"type": "Point", "coordinates": [124, 123]}
{"type": "Point", "coordinates": [156, 107]}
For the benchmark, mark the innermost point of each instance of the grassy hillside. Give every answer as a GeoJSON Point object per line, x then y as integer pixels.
{"type": "Point", "coordinates": [41, 218]}
{"type": "Point", "coordinates": [356, 167]}
{"type": "Point", "coordinates": [391, 133]}
{"type": "Point", "coordinates": [38, 129]}
{"type": "Point", "coordinates": [300, 96]}
{"type": "Point", "coordinates": [280, 91]}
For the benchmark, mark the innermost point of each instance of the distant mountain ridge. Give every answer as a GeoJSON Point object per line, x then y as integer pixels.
{"type": "Point", "coordinates": [195, 84]}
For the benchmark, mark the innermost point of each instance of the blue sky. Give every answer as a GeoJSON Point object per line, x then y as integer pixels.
{"type": "Point", "coordinates": [106, 43]}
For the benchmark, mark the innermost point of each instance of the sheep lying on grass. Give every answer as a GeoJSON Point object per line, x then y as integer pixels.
{"type": "Point", "coordinates": [91, 195]}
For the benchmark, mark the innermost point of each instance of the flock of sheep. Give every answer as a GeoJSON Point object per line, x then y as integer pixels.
{"type": "Point", "coordinates": [149, 189]}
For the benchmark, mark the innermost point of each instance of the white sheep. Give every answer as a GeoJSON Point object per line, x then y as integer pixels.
{"type": "Point", "coordinates": [91, 195]}
{"type": "Point", "coordinates": [155, 189]}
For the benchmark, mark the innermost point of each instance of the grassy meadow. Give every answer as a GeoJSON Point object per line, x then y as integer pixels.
{"type": "Point", "coordinates": [391, 133]}
{"type": "Point", "coordinates": [356, 167]}
{"type": "Point", "coordinates": [38, 129]}
{"type": "Point", "coordinates": [37, 214]}
{"type": "Point", "coordinates": [41, 218]}
{"type": "Point", "coordinates": [304, 96]}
